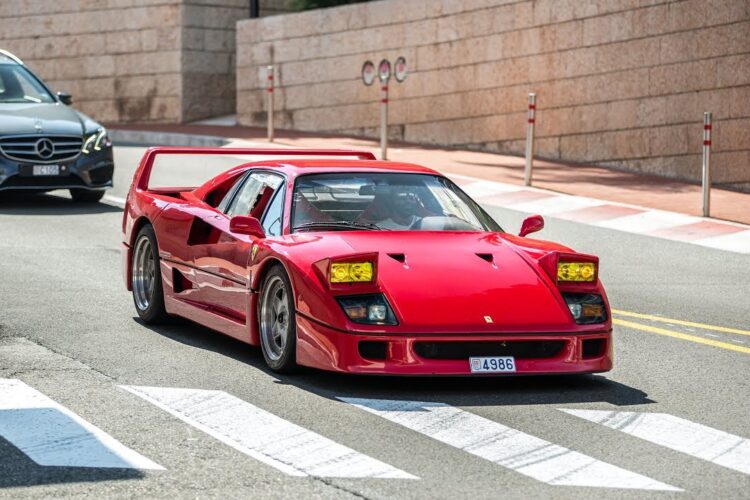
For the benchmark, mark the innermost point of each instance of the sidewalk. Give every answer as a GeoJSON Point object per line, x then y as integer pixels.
{"type": "Point", "coordinates": [577, 180]}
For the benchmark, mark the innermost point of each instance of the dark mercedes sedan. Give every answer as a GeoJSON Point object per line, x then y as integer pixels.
{"type": "Point", "coordinates": [44, 143]}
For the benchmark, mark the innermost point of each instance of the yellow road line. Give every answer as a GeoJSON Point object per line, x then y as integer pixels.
{"type": "Point", "coordinates": [703, 326]}
{"type": "Point", "coordinates": [682, 336]}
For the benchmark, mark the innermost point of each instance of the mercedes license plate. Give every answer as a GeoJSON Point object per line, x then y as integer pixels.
{"type": "Point", "coordinates": [493, 364]}
{"type": "Point", "coordinates": [46, 170]}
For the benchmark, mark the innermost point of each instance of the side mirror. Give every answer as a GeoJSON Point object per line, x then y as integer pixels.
{"type": "Point", "coordinates": [531, 224]}
{"type": "Point", "coordinates": [65, 98]}
{"type": "Point", "coordinates": [241, 224]}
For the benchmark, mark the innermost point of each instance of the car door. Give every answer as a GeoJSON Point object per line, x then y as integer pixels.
{"type": "Point", "coordinates": [222, 265]}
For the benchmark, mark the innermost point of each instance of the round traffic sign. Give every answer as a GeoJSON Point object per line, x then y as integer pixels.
{"type": "Point", "coordinates": [399, 69]}
{"type": "Point", "coordinates": [368, 73]}
{"type": "Point", "coordinates": [384, 70]}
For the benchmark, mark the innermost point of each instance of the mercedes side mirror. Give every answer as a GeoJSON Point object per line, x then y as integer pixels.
{"type": "Point", "coordinates": [242, 224]}
{"type": "Point", "coordinates": [531, 224]}
{"type": "Point", "coordinates": [65, 98]}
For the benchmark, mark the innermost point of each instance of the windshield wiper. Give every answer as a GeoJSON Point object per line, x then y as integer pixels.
{"type": "Point", "coordinates": [341, 223]}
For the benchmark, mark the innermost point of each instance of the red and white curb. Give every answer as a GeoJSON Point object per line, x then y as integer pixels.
{"type": "Point", "coordinates": [712, 233]}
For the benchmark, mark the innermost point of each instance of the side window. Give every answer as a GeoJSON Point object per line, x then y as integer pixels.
{"type": "Point", "coordinates": [274, 215]}
{"type": "Point", "coordinates": [254, 195]}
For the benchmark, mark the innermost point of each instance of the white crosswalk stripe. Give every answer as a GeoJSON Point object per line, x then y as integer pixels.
{"type": "Point", "coordinates": [52, 435]}
{"type": "Point", "coordinates": [518, 451]}
{"type": "Point", "coordinates": [678, 434]}
{"type": "Point", "coordinates": [264, 436]}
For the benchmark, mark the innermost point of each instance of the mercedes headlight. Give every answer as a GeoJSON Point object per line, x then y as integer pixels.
{"type": "Point", "coordinates": [96, 141]}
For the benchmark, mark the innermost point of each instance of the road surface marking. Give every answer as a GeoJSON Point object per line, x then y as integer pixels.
{"type": "Point", "coordinates": [648, 221]}
{"type": "Point", "coordinates": [551, 206]}
{"type": "Point", "coordinates": [696, 440]}
{"type": "Point", "coordinates": [50, 434]}
{"type": "Point", "coordinates": [661, 319]}
{"type": "Point", "coordinates": [479, 189]}
{"type": "Point", "coordinates": [264, 436]}
{"type": "Point", "coordinates": [114, 200]}
{"type": "Point", "coordinates": [682, 336]}
{"type": "Point", "coordinates": [735, 242]}
{"type": "Point", "coordinates": [523, 453]}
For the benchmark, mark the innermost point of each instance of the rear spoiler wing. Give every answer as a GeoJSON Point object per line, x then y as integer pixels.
{"type": "Point", "coordinates": [143, 173]}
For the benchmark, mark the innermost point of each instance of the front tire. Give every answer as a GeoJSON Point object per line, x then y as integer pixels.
{"type": "Point", "coordinates": [277, 324]}
{"type": "Point", "coordinates": [87, 196]}
{"type": "Point", "coordinates": [148, 294]}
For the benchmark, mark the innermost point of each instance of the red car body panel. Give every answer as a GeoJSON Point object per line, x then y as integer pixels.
{"type": "Point", "coordinates": [442, 285]}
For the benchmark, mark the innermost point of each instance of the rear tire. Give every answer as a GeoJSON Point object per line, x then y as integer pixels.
{"type": "Point", "coordinates": [87, 196]}
{"type": "Point", "coordinates": [277, 322]}
{"type": "Point", "coordinates": [148, 294]}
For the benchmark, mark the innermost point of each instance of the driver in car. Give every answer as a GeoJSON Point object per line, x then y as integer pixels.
{"type": "Point", "coordinates": [394, 207]}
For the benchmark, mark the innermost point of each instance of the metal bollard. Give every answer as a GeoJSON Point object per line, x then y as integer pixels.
{"type": "Point", "coordinates": [530, 140]}
{"type": "Point", "coordinates": [269, 88]}
{"type": "Point", "coordinates": [384, 123]}
{"type": "Point", "coordinates": [706, 164]}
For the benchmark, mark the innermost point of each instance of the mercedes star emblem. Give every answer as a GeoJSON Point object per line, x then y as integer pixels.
{"type": "Point", "coordinates": [45, 148]}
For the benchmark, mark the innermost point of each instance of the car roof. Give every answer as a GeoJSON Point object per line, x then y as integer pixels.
{"type": "Point", "coordinates": [297, 167]}
{"type": "Point", "coordinates": [8, 58]}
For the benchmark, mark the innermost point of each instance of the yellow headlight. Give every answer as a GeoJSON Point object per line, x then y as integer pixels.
{"type": "Point", "coordinates": [350, 272]}
{"type": "Point", "coordinates": [576, 271]}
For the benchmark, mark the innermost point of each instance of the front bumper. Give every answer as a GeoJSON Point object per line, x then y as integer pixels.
{"type": "Point", "coordinates": [321, 347]}
{"type": "Point", "coordinates": [91, 171]}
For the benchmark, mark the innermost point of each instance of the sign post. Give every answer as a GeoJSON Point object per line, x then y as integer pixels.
{"type": "Point", "coordinates": [384, 75]}
{"type": "Point", "coordinates": [530, 140]}
{"type": "Point", "coordinates": [269, 89]}
{"type": "Point", "coordinates": [706, 164]}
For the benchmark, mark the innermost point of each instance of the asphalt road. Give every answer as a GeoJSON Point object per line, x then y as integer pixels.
{"type": "Point", "coordinates": [68, 330]}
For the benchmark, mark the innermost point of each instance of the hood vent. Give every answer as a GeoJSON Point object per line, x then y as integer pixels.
{"type": "Point", "coordinates": [486, 256]}
{"type": "Point", "coordinates": [398, 256]}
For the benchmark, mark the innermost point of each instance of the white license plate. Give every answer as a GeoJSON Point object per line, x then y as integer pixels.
{"type": "Point", "coordinates": [493, 364]}
{"type": "Point", "coordinates": [46, 170]}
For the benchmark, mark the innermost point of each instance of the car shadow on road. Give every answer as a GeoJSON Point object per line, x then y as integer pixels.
{"type": "Point", "coordinates": [21, 203]}
{"type": "Point", "coordinates": [456, 391]}
{"type": "Point", "coordinates": [18, 470]}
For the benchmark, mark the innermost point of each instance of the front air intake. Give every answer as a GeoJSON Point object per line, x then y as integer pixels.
{"type": "Point", "coordinates": [522, 349]}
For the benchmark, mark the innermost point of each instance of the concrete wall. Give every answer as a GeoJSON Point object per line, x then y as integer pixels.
{"type": "Point", "coordinates": [130, 60]}
{"type": "Point", "coordinates": [121, 62]}
{"type": "Point", "coordinates": [619, 82]}
{"type": "Point", "coordinates": [208, 57]}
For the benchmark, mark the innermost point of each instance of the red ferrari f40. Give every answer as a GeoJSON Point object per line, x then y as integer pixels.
{"type": "Point", "coordinates": [333, 260]}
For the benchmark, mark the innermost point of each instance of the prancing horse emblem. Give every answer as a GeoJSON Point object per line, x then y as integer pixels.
{"type": "Point", "coordinates": [488, 319]}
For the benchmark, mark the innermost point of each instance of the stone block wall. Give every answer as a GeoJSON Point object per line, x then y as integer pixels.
{"type": "Point", "coordinates": [121, 59]}
{"type": "Point", "coordinates": [208, 56]}
{"type": "Point", "coordinates": [619, 82]}
{"type": "Point", "coordinates": [130, 60]}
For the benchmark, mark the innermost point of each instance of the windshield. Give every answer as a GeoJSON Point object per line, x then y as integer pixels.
{"type": "Point", "coordinates": [18, 85]}
{"type": "Point", "coordinates": [385, 201]}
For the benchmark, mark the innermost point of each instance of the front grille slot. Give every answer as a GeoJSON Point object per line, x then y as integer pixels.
{"type": "Point", "coordinates": [522, 349]}
{"type": "Point", "coordinates": [23, 148]}
{"type": "Point", "coordinates": [594, 348]}
{"type": "Point", "coordinates": [373, 349]}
